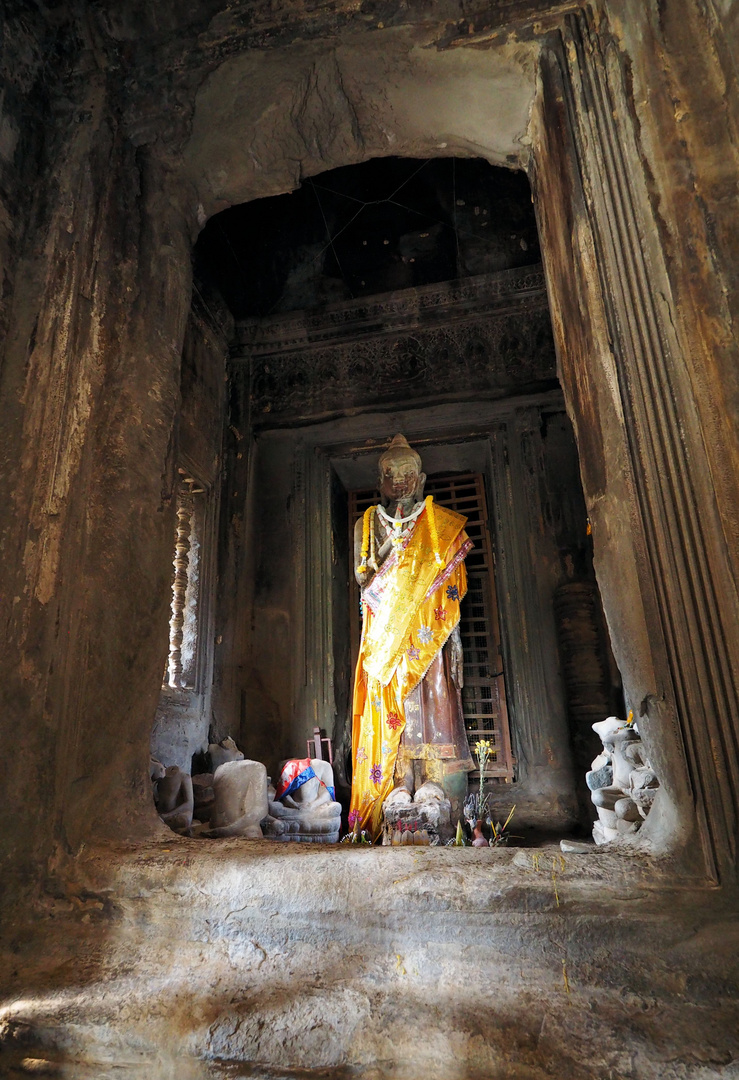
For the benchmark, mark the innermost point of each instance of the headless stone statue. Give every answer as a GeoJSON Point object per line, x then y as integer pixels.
{"type": "Point", "coordinates": [173, 795]}
{"type": "Point", "coordinates": [408, 725]}
{"type": "Point", "coordinates": [240, 790]}
{"type": "Point", "coordinates": [303, 807]}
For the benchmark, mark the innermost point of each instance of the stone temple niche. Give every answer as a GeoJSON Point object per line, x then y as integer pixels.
{"type": "Point", "coordinates": [399, 295]}
{"type": "Point", "coordinates": [394, 297]}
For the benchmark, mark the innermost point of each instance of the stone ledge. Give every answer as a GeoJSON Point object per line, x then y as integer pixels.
{"type": "Point", "coordinates": [247, 958]}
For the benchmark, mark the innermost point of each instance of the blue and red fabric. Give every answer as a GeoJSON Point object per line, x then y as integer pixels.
{"type": "Point", "coordinates": [295, 773]}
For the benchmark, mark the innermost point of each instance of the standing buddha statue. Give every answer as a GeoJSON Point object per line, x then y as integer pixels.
{"type": "Point", "coordinates": [408, 725]}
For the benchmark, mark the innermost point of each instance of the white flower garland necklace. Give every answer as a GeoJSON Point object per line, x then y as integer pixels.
{"type": "Point", "coordinates": [397, 523]}
{"type": "Point", "coordinates": [394, 525]}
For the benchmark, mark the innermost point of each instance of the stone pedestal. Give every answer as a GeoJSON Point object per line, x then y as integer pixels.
{"type": "Point", "coordinates": [428, 811]}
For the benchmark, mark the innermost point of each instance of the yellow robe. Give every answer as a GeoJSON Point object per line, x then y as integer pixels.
{"type": "Point", "coordinates": [409, 609]}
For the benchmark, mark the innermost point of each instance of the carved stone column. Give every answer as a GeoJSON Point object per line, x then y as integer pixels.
{"type": "Point", "coordinates": [687, 589]}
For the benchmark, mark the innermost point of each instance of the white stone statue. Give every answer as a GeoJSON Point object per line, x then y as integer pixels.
{"type": "Point", "coordinates": [621, 780]}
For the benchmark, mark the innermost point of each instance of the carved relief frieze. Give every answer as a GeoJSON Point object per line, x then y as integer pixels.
{"type": "Point", "coordinates": [488, 335]}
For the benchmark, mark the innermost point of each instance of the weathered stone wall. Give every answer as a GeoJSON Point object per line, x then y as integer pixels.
{"type": "Point", "coordinates": [682, 63]}
{"type": "Point", "coordinates": [682, 75]}
{"type": "Point", "coordinates": [588, 375]}
{"type": "Point", "coordinates": [21, 135]}
{"type": "Point", "coordinates": [203, 386]}
{"type": "Point", "coordinates": [89, 394]}
{"type": "Point", "coordinates": [235, 538]}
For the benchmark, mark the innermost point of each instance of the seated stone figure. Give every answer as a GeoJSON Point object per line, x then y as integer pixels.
{"type": "Point", "coordinates": [173, 795]}
{"type": "Point", "coordinates": [622, 782]}
{"type": "Point", "coordinates": [303, 807]}
{"type": "Point", "coordinates": [240, 803]}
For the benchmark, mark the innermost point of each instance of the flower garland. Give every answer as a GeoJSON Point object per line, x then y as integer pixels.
{"type": "Point", "coordinates": [396, 523]}
{"type": "Point", "coordinates": [368, 531]}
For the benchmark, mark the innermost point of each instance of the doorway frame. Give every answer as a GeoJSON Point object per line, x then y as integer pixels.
{"type": "Point", "coordinates": [497, 447]}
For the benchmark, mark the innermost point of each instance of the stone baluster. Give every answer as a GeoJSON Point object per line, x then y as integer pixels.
{"type": "Point", "coordinates": [179, 587]}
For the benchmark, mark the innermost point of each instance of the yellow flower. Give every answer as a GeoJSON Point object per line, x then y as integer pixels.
{"type": "Point", "coordinates": [362, 568]}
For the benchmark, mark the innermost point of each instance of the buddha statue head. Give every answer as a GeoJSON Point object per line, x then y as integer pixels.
{"type": "Point", "coordinates": [400, 479]}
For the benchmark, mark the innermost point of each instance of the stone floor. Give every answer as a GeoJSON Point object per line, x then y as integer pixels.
{"type": "Point", "coordinates": [219, 959]}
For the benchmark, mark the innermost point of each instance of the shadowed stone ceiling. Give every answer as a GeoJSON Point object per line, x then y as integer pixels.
{"type": "Point", "coordinates": [383, 225]}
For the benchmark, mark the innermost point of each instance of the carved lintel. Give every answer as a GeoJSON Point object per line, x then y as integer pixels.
{"type": "Point", "coordinates": [392, 313]}
{"type": "Point", "coordinates": [480, 336]}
